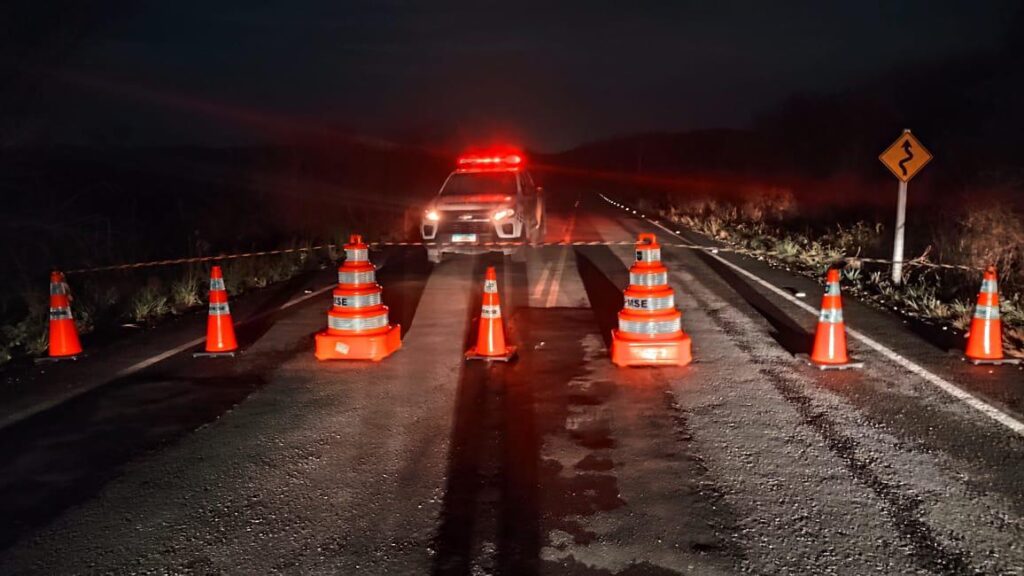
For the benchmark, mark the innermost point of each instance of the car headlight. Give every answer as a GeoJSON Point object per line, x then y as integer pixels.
{"type": "Point", "coordinates": [432, 215]}
{"type": "Point", "coordinates": [504, 213]}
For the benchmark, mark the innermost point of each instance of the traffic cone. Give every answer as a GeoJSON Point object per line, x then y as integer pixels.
{"type": "Point", "coordinates": [650, 332]}
{"type": "Point", "coordinates": [63, 336]}
{"type": "Point", "coordinates": [357, 324]}
{"type": "Point", "coordinates": [829, 352]}
{"type": "Point", "coordinates": [490, 340]}
{"type": "Point", "coordinates": [985, 337]}
{"type": "Point", "coordinates": [220, 331]}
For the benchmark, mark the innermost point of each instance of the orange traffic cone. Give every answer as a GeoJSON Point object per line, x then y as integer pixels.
{"type": "Point", "coordinates": [490, 340]}
{"type": "Point", "coordinates": [63, 337]}
{"type": "Point", "coordinates": [829, 352]}
{"type": "Point", "coordinates": [650, 331]}
{"type": "Point", "coordinates": [220, 331]}
{"type": "Point", "coordinates": [985, 338]}
{"type": "Point", "coordinates": [357, 324]}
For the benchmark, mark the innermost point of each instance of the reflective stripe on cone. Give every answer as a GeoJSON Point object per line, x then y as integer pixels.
{"type": "Point", "coordinates": [357, 324]}
{"type": "Point", "coordinates": [829, 349]}
{"type": "Point", "coordinates": [490, 341]}
{"type": "Point", "coordinates": [220, 328]}
{"type": "Point", "coordinates": [649, 326]}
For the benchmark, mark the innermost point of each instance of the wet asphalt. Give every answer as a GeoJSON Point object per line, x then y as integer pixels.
{"type": "Point", "coordinates": [746, 461]}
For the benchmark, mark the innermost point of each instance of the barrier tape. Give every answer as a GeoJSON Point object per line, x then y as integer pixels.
{"type": "Point", "coordinates": [773, 253]}
{"type": "Point", "coordinates": [195, 259]}
{"type": "Point", "coordinates": [713, 249]}
{"type": "Point", "coordinates": [511, 244]}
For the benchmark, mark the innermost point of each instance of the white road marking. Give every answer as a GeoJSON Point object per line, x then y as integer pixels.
{"type": "Point", "coordinates": [538, 290]}
{"type": "Point", "coordinates": [930, 377]}
{"type": "Point", "coordinates": [560, 269]}
{"type": "Point", "coordinates": [556, 278]}
{"type": "Point", "coordinates": [142, 364]}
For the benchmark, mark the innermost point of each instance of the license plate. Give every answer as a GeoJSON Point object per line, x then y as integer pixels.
{"type": "Point", "coordinates": [463, 237]}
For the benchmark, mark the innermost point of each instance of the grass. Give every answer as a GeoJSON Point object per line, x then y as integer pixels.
{"type": "Point", "coordinates": [102, 301]}
{"type": "Point", "coordinates": [149, 304]}
{"type": "Point", "coordinates": [768, 226]}
{"type": "Point", "coordinates": [187, 291]}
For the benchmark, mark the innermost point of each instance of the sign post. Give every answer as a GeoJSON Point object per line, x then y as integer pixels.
{"type": "Point", "coordinates": [904, 158]}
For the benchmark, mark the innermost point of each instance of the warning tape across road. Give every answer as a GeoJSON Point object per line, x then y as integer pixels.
{"type": "Point", "coordinates": [199, 259]}
{"type": "Point", "coordinates": [195, 259]}
{"type": "Point", "coordinates": [712, 249]}
{"type": "Point", "coordinates": [513, 244]}
{"type": "Point", "coordinates": [776, 254]}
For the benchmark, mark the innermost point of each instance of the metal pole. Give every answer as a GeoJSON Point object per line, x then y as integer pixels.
{"type": "Point", "coordinates": [897, 245]}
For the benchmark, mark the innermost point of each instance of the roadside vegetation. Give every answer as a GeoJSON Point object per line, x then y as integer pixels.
{"type": "Point", "coordinates": [143, 298]}
{"type": "Point", "coordinates": [74, 208]}
{"type": "Point", "coordinates": [769, 224]}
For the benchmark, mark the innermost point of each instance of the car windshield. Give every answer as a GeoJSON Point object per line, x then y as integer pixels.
{"type": "Point", "coordinates": [479, 183]}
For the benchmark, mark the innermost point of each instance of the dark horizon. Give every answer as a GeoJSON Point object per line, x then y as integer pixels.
{"type": "Point", "coordinates": [546, 79]}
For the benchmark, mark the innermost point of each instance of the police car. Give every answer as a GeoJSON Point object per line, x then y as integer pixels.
{"type": "Point", "coordinates": [488, 199]}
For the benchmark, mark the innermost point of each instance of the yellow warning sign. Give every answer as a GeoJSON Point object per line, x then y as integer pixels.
{"type": "Point", "coordinates": [905, 157]}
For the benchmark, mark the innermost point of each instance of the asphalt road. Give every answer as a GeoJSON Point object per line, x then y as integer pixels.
{"type": "Point", "coordinates": [746, 461]}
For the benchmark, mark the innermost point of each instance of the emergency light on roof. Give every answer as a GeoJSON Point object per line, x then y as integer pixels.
{"type": "Point", "coordinates": [475, 161]}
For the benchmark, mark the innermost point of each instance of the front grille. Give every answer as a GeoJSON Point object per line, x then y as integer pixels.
{"type": "Point", "coordinates": [457, 227]}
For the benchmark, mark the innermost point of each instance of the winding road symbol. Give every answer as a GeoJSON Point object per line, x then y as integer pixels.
{"type": "Point", "coordinates": [910, 156]}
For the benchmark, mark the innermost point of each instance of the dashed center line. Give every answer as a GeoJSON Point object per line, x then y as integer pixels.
{"type": "Point", "coordinates": [560, 268]}
{"type": "Point", "coordinates": [538, 290]}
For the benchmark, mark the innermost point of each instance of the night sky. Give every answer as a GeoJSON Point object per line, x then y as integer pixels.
{"type": "Point", "coordinates": [201, 72]}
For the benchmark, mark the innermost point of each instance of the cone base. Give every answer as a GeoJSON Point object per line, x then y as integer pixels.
{"type": "Point", "coordinates": [510, 353]}
{"type": "Point", "coordinates": [228, 354]}
{"type": "Point", "coordinates": [52, 359]}
{"type": "Point", "coordinates": [991, 361]}
{"type": "Point", "coordinates": [628, 352]}
{"type": "Point", "coordinates": [373, 347]}
{"type": "Point", "coordinates": [849, 365]}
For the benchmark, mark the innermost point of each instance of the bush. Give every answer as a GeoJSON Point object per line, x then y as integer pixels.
{"type": "Point", "coordinates": [768, 224]}
{"type": "Point", "coordinates": [149, 304]}
{"type": "Point", "coordinates": [992, 234]}
{"type": "Point", "coordinates": [186, 292]}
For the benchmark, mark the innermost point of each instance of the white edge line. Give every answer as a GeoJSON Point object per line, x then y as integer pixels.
{"type": "Point", "coordinates": [142, 364]}
{"type": "Point", "coordinates": [946, 386]}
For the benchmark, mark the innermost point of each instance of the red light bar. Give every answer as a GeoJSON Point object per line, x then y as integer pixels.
{"type": "Point", "coordinates": [510, 160]}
